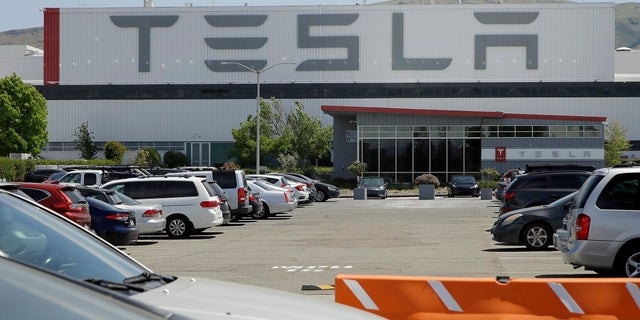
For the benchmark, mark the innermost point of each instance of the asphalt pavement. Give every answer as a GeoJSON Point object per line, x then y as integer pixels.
{"type": "Point", "coordinates": [445, 237]}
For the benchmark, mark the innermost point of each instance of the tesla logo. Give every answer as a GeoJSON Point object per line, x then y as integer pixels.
{"type": "Point", "coordinates": [308, 38]}
{"type": "Point", "coordinates": [501, 154]}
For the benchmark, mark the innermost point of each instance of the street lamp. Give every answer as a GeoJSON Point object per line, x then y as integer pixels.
{"type": "Point", "coordinates": [257, 72]}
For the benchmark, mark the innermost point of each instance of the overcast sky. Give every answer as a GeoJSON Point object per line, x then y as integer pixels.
{"type": "Point", "coordinates": [22, 14]}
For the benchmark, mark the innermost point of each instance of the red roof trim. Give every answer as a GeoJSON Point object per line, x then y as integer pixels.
{"type": "Point", "coordinates": [458, 113]}
{"type": "Point", "coordinates": [51, 46]}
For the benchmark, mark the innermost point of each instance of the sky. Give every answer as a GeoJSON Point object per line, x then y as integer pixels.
{"type": "Point", "coordinates": [24, 14]}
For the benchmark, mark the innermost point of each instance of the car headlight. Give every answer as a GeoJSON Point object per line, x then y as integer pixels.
{"type": "Point", "coordinates": [510, 219]}
{"type": "Point", "coordinates": [475, 186]}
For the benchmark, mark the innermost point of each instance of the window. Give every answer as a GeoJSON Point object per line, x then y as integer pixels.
{"type": "Point", "coordinates": [177, 189]}
{"type": "Point", "coordinates": [621, 193]}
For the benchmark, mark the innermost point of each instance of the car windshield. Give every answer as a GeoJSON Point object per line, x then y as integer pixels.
{"type": "Point", "coordinates": [124, 199]}
{"type": "Point", "coordinates": [562, 201]}
{"type": "Point", "coordinates": [372, 181]}
{"type": "Point", "coordinates": [39, 237]}
{"type": "Point", "coordinates": [463, 179]}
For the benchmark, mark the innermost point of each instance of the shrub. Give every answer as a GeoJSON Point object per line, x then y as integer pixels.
{"type": "Point", "coordinates": [174, 159]}
{"type": "Point", "coordinates": [114, 151]}
{"type": "Point", "coordinates": [153, 157]}
{"type": "Point", "coordinates": [357, 168]}
{"type": "Point", "coordinates": [427, 178]}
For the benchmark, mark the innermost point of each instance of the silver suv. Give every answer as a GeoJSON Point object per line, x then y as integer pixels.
{"type": "Point", "coordinates": [601, 231]}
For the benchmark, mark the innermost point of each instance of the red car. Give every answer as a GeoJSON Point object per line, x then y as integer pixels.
{"type": "Point", "coordinates": [63, 199]}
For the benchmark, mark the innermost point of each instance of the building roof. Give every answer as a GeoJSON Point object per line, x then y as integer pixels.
{"type": "Point", "coordinates": [353, 110]}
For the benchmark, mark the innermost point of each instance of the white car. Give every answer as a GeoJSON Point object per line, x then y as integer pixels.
{"type": "Point", "coordinates": [38, 236]}
{"type": "Point", "coordinates": [299, 189]}
{"type": "Point", "coordinates": [189, 203]}
{"type": "Point", "coordinates": [274, 199]}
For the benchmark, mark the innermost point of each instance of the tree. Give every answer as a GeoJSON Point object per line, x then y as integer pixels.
{"type": "Point", "coordinates": [143, 158]}
{"type": "Point", "coordinates": [23, 117]}
{"type": "Point", "coordinates": [83, 139]}
{"type": "Point", "coordinates": [283, 135]}
{"type": "Point", "coordinates": [154, 157]}
{"type": "Point", "coordinates": [615, 142]}
{"type": "Point", "coordinates": [114, 151]}
{"type": "Point", "coordinates": [174, 159]}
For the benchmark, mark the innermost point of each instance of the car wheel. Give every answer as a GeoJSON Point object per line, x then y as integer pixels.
{"type": "Point", "coordinates": [177, 227]}
{"type": "Point", "coordinates": [451, 195]}
{"type": "Point", "coordinates": [260, 215]}
{"type": "Point", "coordinates": [536, 236]}
{"type": "Point", "coordinates": [628, 263]}
{"type": "Point", "coordinates": [320, 196]}
{"type": "Point", "coordinates": [267, 212]}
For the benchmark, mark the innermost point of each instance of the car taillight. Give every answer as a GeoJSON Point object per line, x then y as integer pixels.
{"type": "Point", "coordinates": [209, 204]}
{"type": "Point", "coordinates": [286, 197]}
{"type": "Point", "coordinates": [282, 185]}
{"type": "Point", "coordinates": [152, 213]}
{"type": "Point", "coordinates": [582, 227]}
{"type": "Point", "coordinates": [252, 197]}
{"type": "Point", "coordinates": [500, 187]}
{"type": "Point", "coordinates": [118, 216]}
{"type": "Point", "coordinates": [509, 195]}
{"type": "Point", "coordinates": [299, 187]}
{"type": "Point", "coordinates": [242, 195]}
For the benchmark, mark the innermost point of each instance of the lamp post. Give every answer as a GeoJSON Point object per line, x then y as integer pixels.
{"type": "Point", "coordinates": [257, 72]}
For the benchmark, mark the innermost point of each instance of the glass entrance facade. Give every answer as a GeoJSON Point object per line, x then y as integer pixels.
{"type": "Point", "coordinates": [402, 153]}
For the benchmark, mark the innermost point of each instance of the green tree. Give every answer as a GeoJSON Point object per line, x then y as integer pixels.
{"type": "Point", "coordinates": [174, 159]}
{"type": "Point", "coordinates": [143, 158]}
{"type": "Point", "coordinates": [114, 151]}
{"type": "Point", "coordinates": [615, 142]}
{"type": "Point", "coordinates": [283, 135]}
{"type": "Point", "coordinates": [154, 157]}
{"type": "Point", "coordinates": [23, 117]}
{"type": "Point", "coordinates": [83, 139]}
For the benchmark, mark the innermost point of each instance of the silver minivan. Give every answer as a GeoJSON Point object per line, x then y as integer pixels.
{"type": "Point", "coordinates": [601, 232]}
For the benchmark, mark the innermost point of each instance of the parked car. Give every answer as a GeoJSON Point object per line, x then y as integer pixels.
{"type": "Point", "coordinates": [55, 177]}
{"type": "Point", "coordinates": [49, 241]}
{"type": "Point", "coordinates": [532, 227]}
{"type": "Point", "coordinates": [308, 182]}
{"type": "Point", "coordinates": [89, 178]}
{"type": "Point", "coordinates": [258, 208]}
{"type": "Point", "coordinates": [224, 203]}
{"type": "Point", "coordinates": [189, 204]}
{"type": "Point", "coordinates": [498, 192]}
{"type": "Point", "coordinates": [234, 184]}
{"type": "Point", "coordinates": [40, 175]}
{"type": "Point", "coordinates": [274, 199]}
{"type": "Point", "coordinates": [29, 290]}
{"type": "Point", "coordinates": [117, 226]}
{"type": "Point", "coordinates": [299, 189]}
{"type": "Point", "coordinates": [601, 232]}
{"type": "Point", "coordinates": [376, 186]}
{"type": "Point", "coordinates": [463, 185]}
{"type": "Point", "coordinates": [324, 191]}
{"type": "Point", "coordinates": [539, 188]}
{"type": "Point", "coordinates": [148, 217]}
{"type": "Point", "coordinates": [64, 199]}
{"type": "Point", "coordinates": [14, 188]}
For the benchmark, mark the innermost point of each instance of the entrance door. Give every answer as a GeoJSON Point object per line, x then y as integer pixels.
{"type": "Point", "coordinates": [200, 155]}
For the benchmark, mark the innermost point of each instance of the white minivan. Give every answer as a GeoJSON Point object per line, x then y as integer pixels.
{"type": "Point", "coordinates": [189, 203]}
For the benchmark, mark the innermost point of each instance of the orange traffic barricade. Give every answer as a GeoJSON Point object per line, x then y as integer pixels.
{"type": "Point", "coordinates": [415, 298]}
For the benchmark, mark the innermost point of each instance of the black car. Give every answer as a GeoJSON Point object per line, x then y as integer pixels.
{"type": "Point", "coordinates": [376, 186]}
{"type": "Point", "coordinates": [539, 188]}
{"type": "Point", "coordinates": [532, 227]}
{"type": "Point", "coordinates": [463, 185]}
{"type": "Point", "coordinates": [325, 191]}
{"type": "Point", "coordinates": [40, 175]}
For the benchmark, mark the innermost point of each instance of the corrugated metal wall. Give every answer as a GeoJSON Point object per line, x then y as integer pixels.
{"type": "Point", "coordinates": [574, 42]}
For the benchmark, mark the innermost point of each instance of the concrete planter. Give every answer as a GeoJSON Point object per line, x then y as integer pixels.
{"type": "Point", "coordinates": [426, 192]}
{"type": "Point", "coordinates": [360, 194]}
{"type": "Point", "coordinates": [486, 194]}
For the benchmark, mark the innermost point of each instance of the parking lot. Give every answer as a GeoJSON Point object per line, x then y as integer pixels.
{"type": "Point", "coordinates": [394, 236]}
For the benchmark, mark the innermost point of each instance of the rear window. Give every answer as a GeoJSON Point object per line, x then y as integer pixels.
{"type": "Point", "coordinates": [74, 195]}
{"type": "Point", "coordinates": [140, 189]}
{"type": "Point", "coordinates": [226, 179]}
{"type": "Point", "coordinates": [586, 189]}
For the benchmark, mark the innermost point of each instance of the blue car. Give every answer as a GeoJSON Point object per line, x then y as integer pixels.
{"type": "Point", "coordinates": [117, 226]}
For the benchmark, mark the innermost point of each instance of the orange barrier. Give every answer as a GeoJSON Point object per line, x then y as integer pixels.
{"type": "Point", "coordinates": [416, 298]}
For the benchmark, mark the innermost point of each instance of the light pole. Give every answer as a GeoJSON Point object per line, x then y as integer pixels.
{"type": "Point", "coordinates": [257, 72]}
